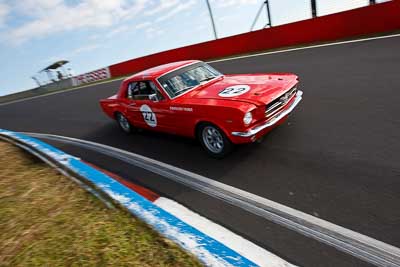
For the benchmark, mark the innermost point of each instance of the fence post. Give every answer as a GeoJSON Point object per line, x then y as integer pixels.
{"type": "Point", "coordinates": [269, 23]}
{"type": "Point", "coordinates": [268, 13]}
{"type": "Point", "coordinates": [314, 8]}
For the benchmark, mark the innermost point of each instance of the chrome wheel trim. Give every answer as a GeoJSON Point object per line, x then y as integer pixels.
{"type": "Point", "coordinates": [124, 123]}
{"type": "Point", "coordinates": [212, 139]}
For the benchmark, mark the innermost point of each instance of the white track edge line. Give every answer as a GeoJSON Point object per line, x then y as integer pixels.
{"type": "Point", "coordinates": [307, 47]}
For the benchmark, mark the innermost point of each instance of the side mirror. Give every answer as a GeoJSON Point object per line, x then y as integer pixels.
{"type": "Point", "coordinates": [153, 97]}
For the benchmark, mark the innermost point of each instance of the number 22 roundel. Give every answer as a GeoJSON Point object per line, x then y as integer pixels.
{"type": "Point", "coordinates": [148, 115]}
{"type": "Point", "coordinates": [234, 90]}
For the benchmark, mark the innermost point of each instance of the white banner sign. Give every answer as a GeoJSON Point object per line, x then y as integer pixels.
{"type": "Point", "coordinates": [93, 76]}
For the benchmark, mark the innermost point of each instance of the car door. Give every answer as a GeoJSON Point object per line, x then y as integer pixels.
{"type": "Point", "coordinates": [147, 107]}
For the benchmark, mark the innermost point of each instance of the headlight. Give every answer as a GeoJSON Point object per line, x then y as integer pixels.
{"type": "Point", "coordinates": [247, 118]}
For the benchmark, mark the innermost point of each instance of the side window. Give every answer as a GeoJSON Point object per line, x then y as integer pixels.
{"type": "Point", "coordinates": [133, 90]}
{"type": "Point", "coordinates": [141, 90]}
{"type": "Point", "coordinates": [145, 88]}
{"type": "Point", "coordinates": [156, 91]}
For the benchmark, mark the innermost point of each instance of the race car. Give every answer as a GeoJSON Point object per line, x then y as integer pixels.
{"type": "Point", "coordinates": [192, 99]}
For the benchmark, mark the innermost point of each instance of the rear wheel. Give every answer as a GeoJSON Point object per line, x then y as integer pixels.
{"type": "Point", "coordinates": [124, 123]}
{"type": "Point", "coordinates": [214, 140]}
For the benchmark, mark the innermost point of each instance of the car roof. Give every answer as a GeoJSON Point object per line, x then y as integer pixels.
{"type": "Point", "coordinates": [160, 70]}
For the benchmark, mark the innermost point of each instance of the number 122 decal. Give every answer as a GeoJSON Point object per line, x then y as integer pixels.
{"type": "Point", "coordinates": [148, 115]}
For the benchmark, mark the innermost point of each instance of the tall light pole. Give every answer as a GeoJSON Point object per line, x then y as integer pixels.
{"type": "Point", "coordinates": [212, 19]}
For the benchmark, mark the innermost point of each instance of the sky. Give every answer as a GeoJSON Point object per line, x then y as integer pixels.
{"type": "Point", "coordinates": [96, 33]}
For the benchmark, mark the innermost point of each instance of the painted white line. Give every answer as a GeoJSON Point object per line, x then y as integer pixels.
{"type": "Point", "coordinates": [221, 60]}
{"type": "Point", "coordinates": [349, 241]}
{"type": "Point", "coordinates": [256, 254]}
{"type": "Point", "coordinates": [306, 47]}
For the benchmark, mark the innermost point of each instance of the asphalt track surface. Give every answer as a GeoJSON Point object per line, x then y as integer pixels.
{"type": "Point", "coordinates": [337, 157]}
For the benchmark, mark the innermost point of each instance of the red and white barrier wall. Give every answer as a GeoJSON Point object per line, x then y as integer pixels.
{"type": "Point", "coordinates": [372, 19]}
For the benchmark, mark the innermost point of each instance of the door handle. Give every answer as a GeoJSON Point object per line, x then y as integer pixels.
{"type": "Point", "coordinates": [132, 104]}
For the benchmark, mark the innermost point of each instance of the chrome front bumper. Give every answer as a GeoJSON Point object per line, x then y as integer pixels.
{"type": "Point", "coordinates": [273, 121]}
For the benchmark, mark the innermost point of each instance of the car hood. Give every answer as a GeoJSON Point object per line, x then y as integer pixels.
{"type": "Point", "coordinates": [258, 89]}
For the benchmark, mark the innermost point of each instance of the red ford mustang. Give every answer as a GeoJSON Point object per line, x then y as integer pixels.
{"type": "Point", "coordinates": [190, 98]}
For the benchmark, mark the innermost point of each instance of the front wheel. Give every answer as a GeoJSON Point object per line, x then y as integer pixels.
{"type": "Point", "coordinates": [214, 140]}
{"type": "Point", "coordinates": [124, 123]}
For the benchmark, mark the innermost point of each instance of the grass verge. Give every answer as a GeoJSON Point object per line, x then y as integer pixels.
{"type": "Point", "coordinates": [48, 220]}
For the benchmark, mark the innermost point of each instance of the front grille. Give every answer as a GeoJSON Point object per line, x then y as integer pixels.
{"type": "Point", "coordinates": [276, 105]}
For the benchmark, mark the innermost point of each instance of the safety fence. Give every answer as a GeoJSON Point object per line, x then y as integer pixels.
{"type": "Point", "coordinates": [278, 12]}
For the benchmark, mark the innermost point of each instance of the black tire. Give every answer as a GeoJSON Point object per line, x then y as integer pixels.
{"type": "Point", "coordinates": [214, 140]}
{"type": "Point", "coordinates": [123, 123]}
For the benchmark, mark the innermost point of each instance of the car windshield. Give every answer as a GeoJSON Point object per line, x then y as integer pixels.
{"type": "Point", "coordinates": [184, 79]}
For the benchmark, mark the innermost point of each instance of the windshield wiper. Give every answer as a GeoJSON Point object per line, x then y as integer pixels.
{"type": "Point", "coordinates": [184, 89]}
{"type": "Point", "coordinates": [207, 79]}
